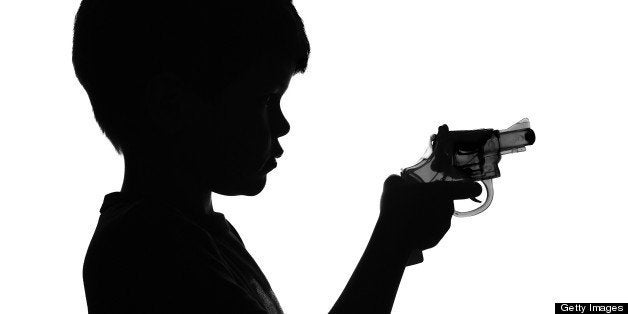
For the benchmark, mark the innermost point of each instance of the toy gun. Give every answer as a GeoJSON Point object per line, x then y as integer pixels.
{"type": "Point", "coordinates": [470, 155]}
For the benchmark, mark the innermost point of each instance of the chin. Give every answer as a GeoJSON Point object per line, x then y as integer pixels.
{"type": "Point", "coordinates": [255, 188]}
{"type": "Point", "coordinates": [248, 187]}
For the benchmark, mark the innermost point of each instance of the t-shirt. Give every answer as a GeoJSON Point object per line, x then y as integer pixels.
{"type": "Point", "coordinates": [148, 257]}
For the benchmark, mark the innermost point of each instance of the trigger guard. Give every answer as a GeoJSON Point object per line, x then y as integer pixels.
{"type": "Point", "coordinates": [488, 184]}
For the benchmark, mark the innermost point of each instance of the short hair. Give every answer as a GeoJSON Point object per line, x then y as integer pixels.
{"type": "Point", "coordinates": [119, 45]}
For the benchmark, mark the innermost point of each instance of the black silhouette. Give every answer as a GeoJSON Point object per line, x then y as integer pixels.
{"type": "Point", "coordinates": [189, 93]}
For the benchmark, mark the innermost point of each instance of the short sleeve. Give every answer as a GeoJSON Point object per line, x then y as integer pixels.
{"type": "Point", "coordinates": [189, 276]}
{"type": "Point", "coordinates": [158, 262]}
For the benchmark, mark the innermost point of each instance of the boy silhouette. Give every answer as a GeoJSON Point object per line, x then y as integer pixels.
{"type": "Point", "coordinates": [189, 93]}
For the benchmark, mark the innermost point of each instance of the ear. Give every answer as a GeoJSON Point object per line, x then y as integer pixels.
{"type": "Point", "coordinates": [168, 104]}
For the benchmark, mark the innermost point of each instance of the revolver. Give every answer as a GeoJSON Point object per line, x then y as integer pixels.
{"type": "Point", "coordinates": [469, 155]}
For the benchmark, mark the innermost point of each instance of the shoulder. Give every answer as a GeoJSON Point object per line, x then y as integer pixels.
{"type": "Point", "coordinates": [233, 230]}
{"type": "Point", "coordinates": [149, 253]}
{"type": "Point", "coordinates": [149, 227]}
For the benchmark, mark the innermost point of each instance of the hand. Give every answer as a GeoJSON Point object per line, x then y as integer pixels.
{"type": "Point", "coordinates": [418, 215]}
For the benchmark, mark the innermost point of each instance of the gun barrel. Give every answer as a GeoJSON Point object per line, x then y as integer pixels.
{"type": "Point", "coordinates": [515, 141]}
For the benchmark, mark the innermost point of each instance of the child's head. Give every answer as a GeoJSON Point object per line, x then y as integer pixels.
{"type": "Point", "coordinates": [199, 81]}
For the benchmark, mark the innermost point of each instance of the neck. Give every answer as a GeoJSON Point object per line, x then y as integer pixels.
{"type": "Point", "coordinates": [154, 177]}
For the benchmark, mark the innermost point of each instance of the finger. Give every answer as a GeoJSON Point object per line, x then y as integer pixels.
{"type": "Point", "coordinates": [434, 235]}
{"type": "Point", "coordinates": [446, 208]}
{"type": "Point", "coordinates": [453, 190]}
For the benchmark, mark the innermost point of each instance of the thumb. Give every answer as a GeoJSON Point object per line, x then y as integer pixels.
{"type": "Point", "coordinates": [395, 182]}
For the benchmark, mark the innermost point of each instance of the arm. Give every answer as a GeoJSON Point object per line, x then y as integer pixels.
{"type": "Point", "coordinates": [374, 283]}
{"type": "Point", "coordinates": [411, 216]}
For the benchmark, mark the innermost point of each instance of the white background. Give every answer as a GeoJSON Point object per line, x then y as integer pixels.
{"type": "Point", "coordinates": [383, 75]}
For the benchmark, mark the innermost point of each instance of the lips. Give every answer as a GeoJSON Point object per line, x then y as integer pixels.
{"type": "Point", "coordinates": [277, 150]}
{"type": "Point", "coordinates": [271, 163]}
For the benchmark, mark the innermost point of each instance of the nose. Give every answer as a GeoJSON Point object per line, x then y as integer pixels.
{"type": "Point", "coordinates": [279, 127]}
{"type": "Point", "coordinates": [279, 123]}
{"type": "Point", "coordinates": [284, 127]}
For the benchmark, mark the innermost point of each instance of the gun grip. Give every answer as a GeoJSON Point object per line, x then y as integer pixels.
{"type": "Point", "coordinates": [416, 257]}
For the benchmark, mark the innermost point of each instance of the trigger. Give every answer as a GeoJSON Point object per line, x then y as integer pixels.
{"type": "Point", "coordinates": [476, 200]}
